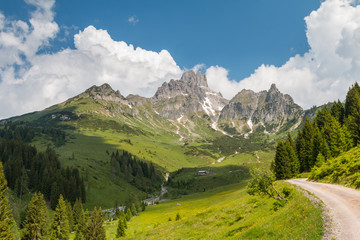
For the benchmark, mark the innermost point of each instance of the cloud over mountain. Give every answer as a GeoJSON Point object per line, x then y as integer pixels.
{"type": "Point", "coordinates": [31, 79]}
{"type": "Point", "coordinates": [322, 74]}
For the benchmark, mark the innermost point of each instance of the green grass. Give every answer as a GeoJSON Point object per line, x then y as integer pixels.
{"type": "Point", "coordinates": [227, 213]}
{"type": "Point", "coordinates": [344, 169]}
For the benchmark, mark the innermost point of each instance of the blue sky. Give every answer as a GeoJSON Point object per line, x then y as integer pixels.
{"type": "Point", "coordinates": [52, 50]}
{"type": "Point", "coordinates": [238, 35]}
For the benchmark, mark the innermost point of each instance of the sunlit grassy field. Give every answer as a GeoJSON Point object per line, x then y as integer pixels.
{"type": "Point", "coordinates": [227, 213]}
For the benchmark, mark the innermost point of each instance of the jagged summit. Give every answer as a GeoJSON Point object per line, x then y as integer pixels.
{"type": "Point", "coordinates": [271, 109]}
{"type": "Point", "coordinates": [273, 88]}
{"type": "Point", "coordinates": [105, 92]}
{"type": "Point", "coordinates": [194, 78]}
{"type": "Point", "coordinates": [190, 94]}
{"type": "Point", "coordinates": [189, 83]}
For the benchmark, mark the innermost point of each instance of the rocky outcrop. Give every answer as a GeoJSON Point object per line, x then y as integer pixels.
{"type": "Point", "coordinates": [190, 94]}
{"type": "Point", "coordinates": [106, 93]}
{"type": "Point", "coordinates": [270, 109]}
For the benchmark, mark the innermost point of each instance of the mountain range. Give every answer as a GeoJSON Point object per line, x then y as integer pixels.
{"type": "Point", "coordinates": [185, 103]}
{"type": "Point", "coordinates": [184, 125]}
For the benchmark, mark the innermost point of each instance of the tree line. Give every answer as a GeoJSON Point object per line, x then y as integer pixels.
{"type": "Point", "coordinates": [26, 133]}
{"type": "Point", "coordinates": [28, 170]}
{"type": "Point", "coordinates": [142, 175]}
{"type": "Point", "coordinates": [335, 129]}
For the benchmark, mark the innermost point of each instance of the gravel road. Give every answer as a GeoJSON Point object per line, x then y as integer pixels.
{"type": "Point", "coordinates": [342, 203]}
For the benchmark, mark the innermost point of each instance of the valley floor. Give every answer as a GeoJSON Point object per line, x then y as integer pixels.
{"type": "Point", "coordinates": [227, 213]}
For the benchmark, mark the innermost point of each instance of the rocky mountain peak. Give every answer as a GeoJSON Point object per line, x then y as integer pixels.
{"type": "Point", "coordinates": [194, 79]}
{"type": "Point", "coordinates": [190, 94]}
{"type": "Point", "coordinates": [105, 92]}
{"type": "Point", "coordinates": [270, 109]}
{"type": "Point", "coordinates": [273, 88]}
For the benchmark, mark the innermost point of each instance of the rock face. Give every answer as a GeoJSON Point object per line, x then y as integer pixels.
{"type": "Point", "coordinates": [270, 109]}
{"type": "Point", "coordinates": [190, 94]}
{"type": "Point", "coordinates": [106, 93]}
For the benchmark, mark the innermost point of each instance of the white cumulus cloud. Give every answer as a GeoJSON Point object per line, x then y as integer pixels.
{"type": "Point", "coordinates": [322, 74]}
{"type": "Point", "coordinates": [31, 81]}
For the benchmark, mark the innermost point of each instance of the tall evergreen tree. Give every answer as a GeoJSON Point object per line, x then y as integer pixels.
{"type": "Point", "coordinates": [336, 137]}
{"type": "Point", "coordinates": [128, 214]}
{"type": "Point", "coordinates": [6, 217]}
{"type": "Point", "coordinates": [81, 225]}
{"type": "Point", "coordinates": [95, 228]}
{"type": "Point", "coordinates": [60, 227]}
{"type": "Point", "coordinates": [352, 112]}
{"type": "Point", "coordinates": [36, 221]}
{"type": "Point", "coordinates": [70, 215]}
{"type": "Point", "coordinates": [337, 110]}
{"type": "Point", "coordinates": [352, 99]}
{"type": "Point", "coordinates": [286, 163]}
{"type": "Point", "coordinates": [120, 231]}
{"type": "Point", "coordinates": [304, 144]}
{"type": "Point", "coordinates": [78, 211]}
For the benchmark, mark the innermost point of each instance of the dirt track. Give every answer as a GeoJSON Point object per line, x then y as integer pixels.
{"type": "Point", "coordinates": [343, 205]}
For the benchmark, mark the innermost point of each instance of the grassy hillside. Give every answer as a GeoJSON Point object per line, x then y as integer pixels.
{"type": "Point", "coordinates": [227, 213]}
{"type": "Point", "coordinates": [344, 169]}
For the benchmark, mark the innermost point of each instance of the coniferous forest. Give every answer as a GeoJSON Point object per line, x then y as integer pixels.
{"type": "Point", "coordinates": [28, 170]}
{"type": "Point", "coordinates": [138, 173]}
{"type": "Point", "coordinates": [334, 130]}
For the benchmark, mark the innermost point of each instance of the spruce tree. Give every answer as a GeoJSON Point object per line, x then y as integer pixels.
{"type": "Point", "coordinates": [336, 137]}
{"type": "Point", "coordinates": [337, 110]}
{"type": "Point", "coordinates": [120, 231]}
{"type": "Point", "coordinates": [70, 215]}
{"type": "Point", "coordinates": [352, 99]}
{"type": "Point", "coordinates": [36, 221]}
{"type": "Point", "coordinates": [6, 217]}
{"type": "Point", "coordinates": [352, 112]}
{"type": "Point", "coordinates": [60, 227]}
{"type": "Point", "coordinates": [95, 228]}
{"type": "Point", "coordinates": [304, 144]}
{"type": "Point", "coordinates": [81, 225]}
{"type": "Point", "coordinates": [78, 211]}
{"type": "Point", "coordinates": [316, 147]}
{"type": "Point", "coordinates": [279, 166]}
{"type": "Point", "coordinates": [292, 164]}
{"type": "Point", "coordinates": [133, 209]}
{"type": "Point", "coordinates": [128, 214]}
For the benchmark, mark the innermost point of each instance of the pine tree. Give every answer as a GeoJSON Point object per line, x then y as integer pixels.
{"type": "Point", "coordinates": [120, 231]}
{"type": "Point", "coordinates": [95, 228]}
{"type": "Point", "coordinates": [279, 162]}
{"type": "Point", "coordinates": [352, 112]}
{"type": "Point", "coordinates": [133, 209]}
{"type": "Point", "coordinates": [286, 163]}
{"type": "Point", "coordinates": [36, 221]}
{"type": "Point", "coordinates": [128, 214]}
{"type": "Point", "coordinates": [6, 217]}
{"type": "Point", "coordinates": [293, 165]}
{"type": "Point", "coordinates": [70, 215]}
{"type": "Point", "coordinates": [336, 137]}
{"type": "Point", "coordinates": [81, 226]}
{"type": "Point", "coordinates": [78, 211]}
{"type": "Point", "coordinates": [54, 195]}
{"type": "Point", "coordinates": [337, 110]}
{"type": "Point", "coordinates": [352, 99]}
{"type": "Point", "coordinates": [316, 147]}
{"type": "Point", "coordinates": [304, 144]}
{"type": "Point", "coordinates": [60, 228]}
